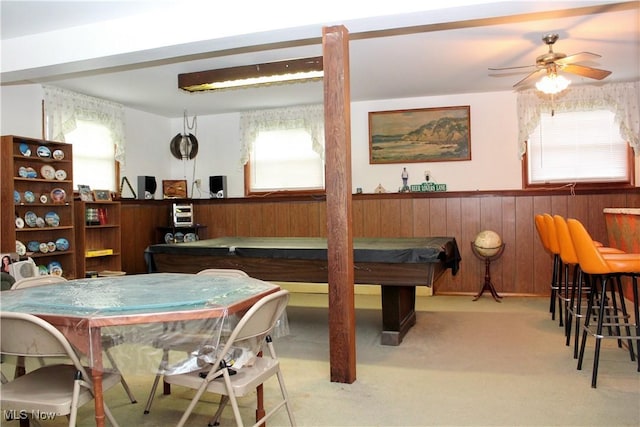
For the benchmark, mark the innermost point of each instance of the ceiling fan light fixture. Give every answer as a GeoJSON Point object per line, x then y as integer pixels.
{"type": "Point", "coordinates": [296, 70]}
{"type": "Point", "coordinates": [552, 83]}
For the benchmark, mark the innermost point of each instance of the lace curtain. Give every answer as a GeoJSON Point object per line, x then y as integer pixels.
{"type": "Point", "coordinates": [308, 117]}
{"type": "Point", "coordinates": [63, 108]}
{"type": "Point", "coordinates": [621, 98]}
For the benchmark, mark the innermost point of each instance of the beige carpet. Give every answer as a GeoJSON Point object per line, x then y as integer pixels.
{"type": "Point", "coordinates": [464, 363]}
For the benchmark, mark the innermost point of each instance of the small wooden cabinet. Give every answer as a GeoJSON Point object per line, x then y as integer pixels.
{"type": "Point", "coordinates": [98, 237]}
{"type": "Point", "coordinates": [37, 215]}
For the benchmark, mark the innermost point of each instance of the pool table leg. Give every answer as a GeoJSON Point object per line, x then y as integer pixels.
{"type": "Point", "coordinates": [398, 313]}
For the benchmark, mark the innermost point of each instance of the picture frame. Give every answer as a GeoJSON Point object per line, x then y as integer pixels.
{"type": "Point", "coordinates": [102, 195]}
{"type": "Point", "coordinates": [420, 135]}
{"type": "Point", "coordinates": [6, 260]}
{"type": "Point", "coordinates": [85, 193]}
{"type": "Point", "coordinates": [174, 189]}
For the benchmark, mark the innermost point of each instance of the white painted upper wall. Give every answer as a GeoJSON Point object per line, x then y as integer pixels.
{"type": "Point", "coordinates": [494, 163]}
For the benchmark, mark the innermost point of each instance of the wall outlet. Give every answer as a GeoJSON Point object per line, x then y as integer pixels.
{"type": "Point", "coordinates": [198, 183]}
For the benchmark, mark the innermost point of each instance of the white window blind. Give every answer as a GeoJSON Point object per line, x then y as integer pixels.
{"type": "Point", "coordinates": [93, 156]}
{"type": "Point", "coordinates": [285, 160]}
{"type": "Point", "coordinates": [577, 147]}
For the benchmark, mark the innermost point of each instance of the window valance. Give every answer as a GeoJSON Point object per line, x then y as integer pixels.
{"type": "Point", "coordinates": [308, 117]}
{"type": "Point", "coordinates": [63, 108]}
{"type": "Point", "coordinates": [622, 99]}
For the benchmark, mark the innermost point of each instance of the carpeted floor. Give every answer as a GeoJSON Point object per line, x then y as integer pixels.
{"type": "Point", "coordinates": [464, 363]}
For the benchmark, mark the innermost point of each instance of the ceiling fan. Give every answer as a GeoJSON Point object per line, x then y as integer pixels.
{"type": "Point", "coordinates": [552, 62]}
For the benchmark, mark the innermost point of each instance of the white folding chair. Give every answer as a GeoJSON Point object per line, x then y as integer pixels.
{"type": "Point", "coordinates": [109, 340]}
{"type": "Point", "coordinates": [174, 340]}
{"type": "Point", "coordinates": [232, 381]}
{"type": "Point", "coordinates": [57, 389]}
{"type": "Point", "coordinates": [28, 282]}
{"type": "Point", "coordinates": [223, 272]}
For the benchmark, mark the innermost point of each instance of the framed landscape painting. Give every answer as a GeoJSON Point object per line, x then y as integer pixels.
{"type": "Point", "coordinates": [421, 135]}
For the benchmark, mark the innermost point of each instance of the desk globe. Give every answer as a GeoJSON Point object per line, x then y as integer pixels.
{"type": "Point", "coordinates": [487, 246]}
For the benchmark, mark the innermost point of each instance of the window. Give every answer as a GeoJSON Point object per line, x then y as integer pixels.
{"type": "Point", "coordinates": [95, 128]}
{"type": "Point", "coordinates": [285, 160]}
{"type": "Point", "coordinates": [283, 149]}
{"type": "Point", "coordinates": [577, 147]}
{"type": "Point", "coordinates": [93, 156]}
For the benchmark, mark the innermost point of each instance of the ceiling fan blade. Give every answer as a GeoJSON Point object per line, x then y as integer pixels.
{"type": "Point", "coordinates": [530, 77]}
{"type": "Point", "coordinates": [577, 57]}
{"type": "Point", "coordinates": [581, 70]}
{"type": "Point", "coordinates": [511, 68]}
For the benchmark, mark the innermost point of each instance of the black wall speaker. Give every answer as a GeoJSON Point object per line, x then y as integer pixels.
{"type": "Point", "coordinates": [147, 187]}
{"type": "Point", "coordinates": [218, 187]}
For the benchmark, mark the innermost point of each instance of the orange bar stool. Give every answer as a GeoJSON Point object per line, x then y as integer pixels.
{"type": "Point", "coordinates": [554, 247]}
{"type": "Point", "coordinates": [573, 304]}
{"type": "Point", "coordinates": [577, 290]}
{"type": "Point", "coordinates": [541, 227]}
{"type": "Point", "coordinates": [608, 268]}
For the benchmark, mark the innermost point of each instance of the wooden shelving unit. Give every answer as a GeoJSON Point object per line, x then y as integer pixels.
{"type": "Point", "coordinates": [40, 186]}
{"type": "Point", "coordinates": [98, 236]}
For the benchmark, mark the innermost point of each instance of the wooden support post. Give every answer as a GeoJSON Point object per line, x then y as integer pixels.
{"type": "Point", "coordinates": [337, 118]}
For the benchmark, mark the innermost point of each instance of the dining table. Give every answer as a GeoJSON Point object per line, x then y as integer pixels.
{"type": "Point", "coordinates": [140, 307]}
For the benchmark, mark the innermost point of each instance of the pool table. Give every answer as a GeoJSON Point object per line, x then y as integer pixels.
{"type": "Point", "coordinates": [398, 265]}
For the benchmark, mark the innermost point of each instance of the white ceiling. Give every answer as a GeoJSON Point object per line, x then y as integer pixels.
{"type": "Point", "coordinates": [411, 51]}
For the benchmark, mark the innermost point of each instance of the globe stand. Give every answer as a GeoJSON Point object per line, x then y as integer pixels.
{"type": "Point", "coordinates": [488, 286]}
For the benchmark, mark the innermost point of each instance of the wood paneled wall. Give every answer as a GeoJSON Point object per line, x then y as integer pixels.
{"type": "Point", "coordinates": [524, 268]}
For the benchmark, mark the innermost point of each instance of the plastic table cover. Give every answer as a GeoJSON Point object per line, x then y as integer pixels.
{"type": "Point", "coordinates": [131, 311]}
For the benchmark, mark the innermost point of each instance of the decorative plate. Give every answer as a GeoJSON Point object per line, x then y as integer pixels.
{"type": "Point", "coordinates": [25, 150]}
{"type": "Point", "coordinates": [51, 246]}
{"type": "Point", "coordinates": [16, 196]}
{"type": "Point", "coordinates": [21, 249]}
{"type": "Point", "coordinates": [29, 197]}
{"type": "Point", "coordinates": [58, 154]}
{"type": "Point", "coordinates": [30, 218]}
{"type": "Point", "coordinates": [61, 174]}
{"type": "Point", "coordinates": [33, 246]}
{"type": "Point", "coordinates": [31, 173]}
{"type": "Point", "coordinates": [179, 237]}
{"type": "Point", "coordinates": [55, 268]}
{"type": "Point", "coordinates": [62, 244]}
{"type": "Point", "coordinates": [19, 222]}
{"type": "Point", "coordinates": [43, 247]}
{"type": "Point", "coordinates": [22, 172]}
{"type": "Point", "coordinates": [58, 195]}
{"type": "Point", "coordinates": [43, 270]}
{"type": "Point", "coordinates": [48, 172]}
{"type": "Point", "coordinates": [44, 198]}
{"type": "Point", "coordinates": [52, 219]}
{"type": "Point", "coordinates": [168, 238]}
{"type": "Point", "coordinates": [40, 222]}
{"type": "Point", "coordinates": [43, 152]}
{"type": "Point", "coordinates": [190, 237]}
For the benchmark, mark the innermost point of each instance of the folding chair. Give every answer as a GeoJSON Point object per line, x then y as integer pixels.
{"type": "Point", "coordinates": [173, 340]}
{"type": "Point", "coordinates": [233, 381]}
{"type": "Point", "coordinates": [57, 389]}
{"type": "Point", "coordinates": [109, 340]}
